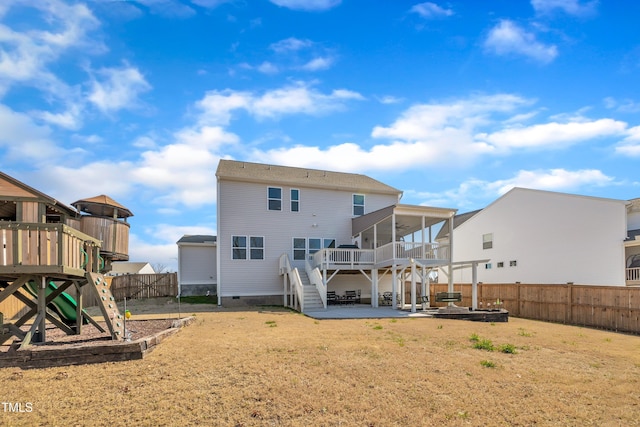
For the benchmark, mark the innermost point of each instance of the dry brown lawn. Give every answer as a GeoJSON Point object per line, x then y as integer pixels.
{"type": "Point", "coordinates": [274, 367]}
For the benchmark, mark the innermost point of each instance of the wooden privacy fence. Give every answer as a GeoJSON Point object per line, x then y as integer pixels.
{"type": "Point", "coordinates": [615, 308]}
{"type": "Point", "coordinates": [136, 286]}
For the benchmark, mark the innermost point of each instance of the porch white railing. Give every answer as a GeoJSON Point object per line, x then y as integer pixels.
{"type": "Point", "coordinates": [633, 276]}
{"type": "Point", "coordinates": [433, 251]}
{"type": "Point", "coordinates": [294, 280]}
{"type": "Point", "coordinates": [343, 257]}
{"type": "Point", "coordinates": [315, 278]}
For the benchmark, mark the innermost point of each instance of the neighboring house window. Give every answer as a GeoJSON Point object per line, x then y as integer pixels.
{"type": "Point", "coordinates": [513, 263]}
{"type": "Point", "coordinates": [487, 266]}
{"type": "Point", "coordinates": [329, 243]}
{"type": "Point", "coordinates": [240, 250]}
{"type": "Point", "coordinates": [500, 264]}
{"type": "Point", "coordinates": [257, 247]}
{"type": "Point", "coordinates": [487, 241]}
{"type": "Point", "coordinates": [358, 204]}
{"type": "Point", "coordinates": [299, 248]}
{"type": "Point", "coordinates": [274, 198]}
{"type": "Point", "coordinates": [239, 247]}
{"type": "Point", "coordinates": [295, 200]}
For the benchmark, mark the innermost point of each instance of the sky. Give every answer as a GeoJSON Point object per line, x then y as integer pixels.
{"type": "Point", "coordinates": [452, 102]}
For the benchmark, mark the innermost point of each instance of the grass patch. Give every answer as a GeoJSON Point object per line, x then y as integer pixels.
{"type": "Point", "coordinates": [488, 363]}
{"type": "Point", "coordinates": [484, 344]}
{"type": "Point", "coordinates": [271, 323]}
{"type": "Point", "coordinates": [523, 333]}
{"type": "Point", "coordinates": [507, 348]}
{"type": "Point", "coordinates": [199, 300]}
{"type": "Point", "coordinates": [474, 337]}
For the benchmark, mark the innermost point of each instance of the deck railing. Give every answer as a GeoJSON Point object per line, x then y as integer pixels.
{"type": "Point", "coordinates": [36, 245]}
{"type": "Point", "coordinates": [429, 251]}
{"type": "Point", "coordinates": [633, 276]}
{"type": "Point", "coordinates": [343, 257]}
{"type": "Point", "coordinates": [354, 258]}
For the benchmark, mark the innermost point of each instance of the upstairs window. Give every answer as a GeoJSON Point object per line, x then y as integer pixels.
{"type": "Point", "coordinates": [274, 198]}
{"type": "Point", "coordinates": [295, 200]}
{"type": "Point", "coordinates": [487, 241]}
{"type": "Point", "coordinates": [358, 204]}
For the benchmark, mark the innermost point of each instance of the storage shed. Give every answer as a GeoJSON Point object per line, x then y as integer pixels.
{"type": "Point", "coordinates": [197, 261]}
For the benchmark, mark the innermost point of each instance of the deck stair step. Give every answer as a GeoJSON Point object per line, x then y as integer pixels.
{"type": "Point", "coordinates": [312, 300]}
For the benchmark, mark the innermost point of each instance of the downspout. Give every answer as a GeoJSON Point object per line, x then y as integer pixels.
{"type": "Point", "coordinates": [218, 246]}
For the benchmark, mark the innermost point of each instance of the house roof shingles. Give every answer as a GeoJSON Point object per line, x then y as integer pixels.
{"type": "Point", "coordinates": [285, 175]}
{"type": "Point", "coordinates": [197, 238]}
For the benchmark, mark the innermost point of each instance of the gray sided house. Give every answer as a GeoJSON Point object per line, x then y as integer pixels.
{"type": "Point", "coordinates": [197, 265]}
{"type": "Point", "coordinates": [339, 232]}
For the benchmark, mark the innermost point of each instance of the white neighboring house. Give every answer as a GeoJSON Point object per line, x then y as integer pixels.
{"type": "Point", "coordinates": [543, 237]}
{"type": "Point", "coordinates": [120, 268]}
{"type": "Point", "coordinates": [632, 244]}
{"type": "Point", "coordinates": [197, 265]}
{"type": "Point", "coordinates": [269, 216]}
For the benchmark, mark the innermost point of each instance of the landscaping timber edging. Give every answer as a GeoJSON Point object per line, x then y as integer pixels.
{"type": "Point", "coordinates": [30, 358]}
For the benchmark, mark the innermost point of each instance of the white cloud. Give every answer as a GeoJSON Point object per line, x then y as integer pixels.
{"type": "Point", "coordinates": [552, 179]}
{"type": "Point", "coordinates": [291, 44]}
{"type": "Point", "coordinates": [26, 54]}
{"type": "Point", "coordinates": [307, 5]}
{"type": "Point", "coordinates": [268, 68]}
{"type": "Point", "coordinates": [553, 134]}
{"type": "Point", "coordinates": [474, 193]}
{"type": "Point", "coordinates": [431, 10]}
{"type": "Point", "coordinates": [23, 139]}
{"type": "Point", "coordinates": [118, 89]}
{"type": "Point", "coordinates": [507, 38]}
{"type": "Point", "coordinates": [297, 98]}
{"type": "Point", "coordinates": [426, 121]}
{"type": "Point", "coordinates": [622, 106]}
{"type": "Point", "coordinates": [389, 99]}
{"type": "Point", "coordinates": [320, 63]}
{"type": "Point", "coordinates": [570, 7]}
{"type": "Point", "coordinates": [630, 146]}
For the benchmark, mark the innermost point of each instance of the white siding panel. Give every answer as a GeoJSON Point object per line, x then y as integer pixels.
{"type": "Point", "coordinates": [197, 264]}
{"type": "Point", "coordinates": [243, 211]}
{"type": "Point", "coordinates": [555, 238]}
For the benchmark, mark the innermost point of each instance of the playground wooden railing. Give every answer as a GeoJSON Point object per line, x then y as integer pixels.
{"type": "Point", "coordinates": [43, 248]}
{"type": "Point", "coordinates": [113, 233]}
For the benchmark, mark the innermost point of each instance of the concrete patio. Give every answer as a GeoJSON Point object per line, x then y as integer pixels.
{"type": "Point", "coordinates": [364, 311]}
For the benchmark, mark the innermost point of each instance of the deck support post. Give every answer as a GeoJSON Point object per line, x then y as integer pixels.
{"type": "Point", "coordinates": [474, 285]}
{"type": "Point", "coordinates": [413, 286]}
{"type": "Point", "coordinates": [374, 288]}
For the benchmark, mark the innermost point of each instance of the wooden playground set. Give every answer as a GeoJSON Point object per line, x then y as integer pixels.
{"type": "Point", "coordinates": [48, 252]}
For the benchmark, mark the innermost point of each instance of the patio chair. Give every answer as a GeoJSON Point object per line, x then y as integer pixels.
{"type": "Point", "coordinates": [350, 297]}
{"type": "Point", "coordinates": [332, 298]}
{"type": "Point", "coordinates": [387, 298]}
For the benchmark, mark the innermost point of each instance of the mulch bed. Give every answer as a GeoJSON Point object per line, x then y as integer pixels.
{"type": "Point", "coordinates": [91, 346]}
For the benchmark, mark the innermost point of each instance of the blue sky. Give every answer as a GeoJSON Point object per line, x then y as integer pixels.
{"type": "Point", "coordinates": [452, 102]}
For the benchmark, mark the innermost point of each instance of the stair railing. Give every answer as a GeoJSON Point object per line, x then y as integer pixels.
{"type": "Point", "coordinates": [315, 278]}
{"type": "Point", "coordinates": [294, 279]}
